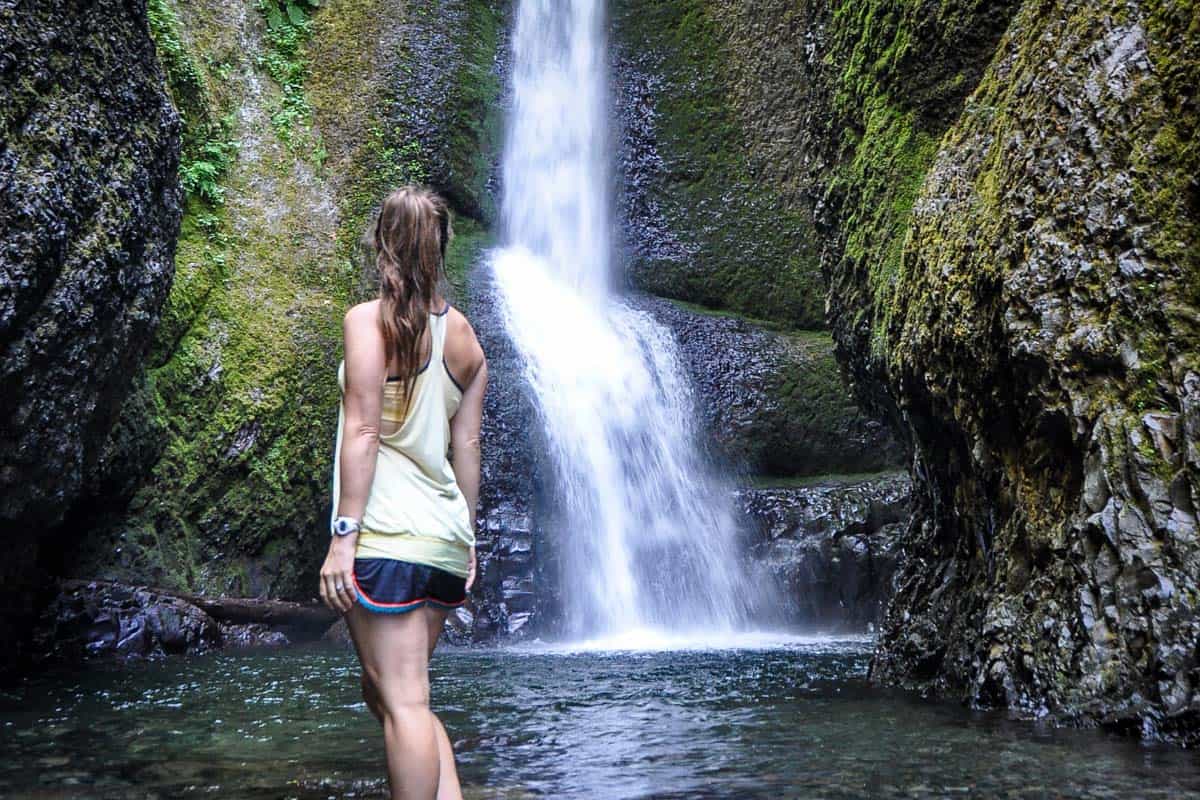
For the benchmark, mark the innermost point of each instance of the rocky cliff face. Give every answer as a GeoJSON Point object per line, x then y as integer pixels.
{"type": "Point", "coordinates": [89, 213]}
{"type": "Point", "coordinates": [773, 401]}
{"type": "Point", "coordinates": [830, 546]}
{"type": "Point", "coordinates": [1004, 203]}
{"type": "Point", "coordinates": [1042, 347]}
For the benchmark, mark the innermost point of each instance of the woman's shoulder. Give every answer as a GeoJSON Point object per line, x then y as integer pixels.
{"type": "Point", "coordinates": [463, 351]}
{"type": "Point", "coordinates": [362, 312]}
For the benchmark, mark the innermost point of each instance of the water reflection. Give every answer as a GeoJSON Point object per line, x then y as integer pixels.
{"type": "Point", "coordinates": [794, 721]}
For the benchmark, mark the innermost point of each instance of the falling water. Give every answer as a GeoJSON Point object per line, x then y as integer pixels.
{"type": "Point", "coordinates": [647, 535]}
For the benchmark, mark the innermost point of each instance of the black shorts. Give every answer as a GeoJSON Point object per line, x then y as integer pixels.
{"type": "Point", "coordinates": [391, 586]}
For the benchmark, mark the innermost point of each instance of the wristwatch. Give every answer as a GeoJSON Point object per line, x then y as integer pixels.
{"type": "Point", "coordinates": [344, 526]}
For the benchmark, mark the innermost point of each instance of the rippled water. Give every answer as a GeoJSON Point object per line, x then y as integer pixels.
{"type": "Point", "coordinates": [777, 719]}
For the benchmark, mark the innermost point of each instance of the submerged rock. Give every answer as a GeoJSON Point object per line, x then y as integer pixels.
{"type": "Point", "coordinates": [830, 545]}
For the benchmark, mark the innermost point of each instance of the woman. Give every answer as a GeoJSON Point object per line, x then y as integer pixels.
{"type": "Point", "coordinates": [402, 552]}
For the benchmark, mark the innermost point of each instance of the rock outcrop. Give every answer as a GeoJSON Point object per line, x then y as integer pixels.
{"type": "Point", "coordinates": [831, 545]}
{"type": "Point", "coordinates": [113, 621]}
{"type": "Point", "coordinates": [89, 213]}
{"type": "Point", "coordinates": [1041, 343]}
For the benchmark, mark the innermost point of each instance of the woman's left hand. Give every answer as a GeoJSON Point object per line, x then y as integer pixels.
{"type": "Point", "coordinates": [471, 567]}
{"type": "Point", "coordinates": [337, 574]}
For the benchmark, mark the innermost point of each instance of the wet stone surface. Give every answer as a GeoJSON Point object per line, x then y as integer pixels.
{"type": "Point", "coordinates": [831, 546]}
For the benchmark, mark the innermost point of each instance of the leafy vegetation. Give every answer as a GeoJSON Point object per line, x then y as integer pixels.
{"type": "Point", "coordinates": [208, 149]}
{"type": "Point", "coordinates": [289, 27]}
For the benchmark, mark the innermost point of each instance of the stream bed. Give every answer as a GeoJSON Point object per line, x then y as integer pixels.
{"type": "Point", "coordinates": [771, 718]}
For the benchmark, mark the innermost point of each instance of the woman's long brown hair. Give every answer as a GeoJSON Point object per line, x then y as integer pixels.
{"type": "Point", "coordinates": [410, 239]}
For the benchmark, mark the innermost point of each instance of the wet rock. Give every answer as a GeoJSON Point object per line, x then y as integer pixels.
{"type": "Point", "coordinates": [106, 620]}
{"type": "Point", "coordinates": [831, 546]}
{"type": "Point", "coordinates": [338, 632]}
{"type": "Point", "coordinates": [252, 634]}
{"type": "Point", "coordinates": [774, 402]}
{"type": "Point", "coordinates": [510, 547]}
{"type": "Point", "coordinates": [698, 225]}
{"type": "Point", "coordinates": [89, 213]}
{"type": "Point", "coordinates": [89, 619]}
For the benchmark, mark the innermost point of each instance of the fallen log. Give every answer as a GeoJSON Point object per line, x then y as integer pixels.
{"type": "Point", "coordinates": [301, 620]}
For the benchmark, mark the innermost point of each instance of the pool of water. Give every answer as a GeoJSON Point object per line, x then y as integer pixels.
{"type": "Point", "coordinates": [764, 718]}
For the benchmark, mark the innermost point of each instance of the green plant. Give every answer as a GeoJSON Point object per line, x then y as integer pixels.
{"type": "Point", "coordinates": [288, 28]}
{"type": "Point", "coordinates": [200, 171]}
{"type": "Point", "coordinates": [294, 11]}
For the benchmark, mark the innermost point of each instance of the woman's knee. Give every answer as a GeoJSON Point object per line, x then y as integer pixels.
{"type": "Point", "coordinates": [404, 698]}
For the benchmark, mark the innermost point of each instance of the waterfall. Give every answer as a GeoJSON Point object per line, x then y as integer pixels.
{"type": "Point", "coordinates": [647, 533]}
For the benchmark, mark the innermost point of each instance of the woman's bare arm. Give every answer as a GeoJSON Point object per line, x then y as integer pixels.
{"type": "Point", "coordinates": [464, 438]}
{"type": "Point", "coordinates": [365, 373]}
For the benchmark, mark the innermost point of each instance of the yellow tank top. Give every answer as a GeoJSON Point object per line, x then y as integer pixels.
{"type": "Point", "coordinates": [415, 511]}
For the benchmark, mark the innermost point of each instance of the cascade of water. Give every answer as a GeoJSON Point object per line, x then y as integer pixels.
{"type": "Point", "coordinates": [648, 537]}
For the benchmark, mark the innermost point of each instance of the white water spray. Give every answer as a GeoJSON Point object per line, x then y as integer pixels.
{"type": "Point", "coordinates": [648, 536]}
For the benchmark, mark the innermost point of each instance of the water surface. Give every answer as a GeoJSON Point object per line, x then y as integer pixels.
{"type": "Point", "coordinates": [775, 718]}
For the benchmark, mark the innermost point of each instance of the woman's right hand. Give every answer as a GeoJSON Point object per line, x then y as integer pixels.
{"type": "Point", "coordinates": [337, 574]}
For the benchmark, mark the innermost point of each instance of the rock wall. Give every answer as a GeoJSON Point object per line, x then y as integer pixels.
{"type": "Point", "coordinates": [1003, 202]}
{"type": "Point", "coordinates": [1042, 345]}
{"type": "Point", "coordinates": [830, 546]}
{"type": "Point", "coordinates": [89, 213]}
{"type": "Point", "coordinates": [700, 224]}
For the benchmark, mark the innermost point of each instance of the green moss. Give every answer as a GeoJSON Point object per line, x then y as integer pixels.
{"type": "Point", "coordinates": [768, 324]}
{"type": "Point", "coordinates": [242, 376]}
{"type": "Point", "coordinates": [373, 150]}
{"type": "Point", "coordinates": [1165, 169]}
{"type": "Point", "coordinates": [475, 120]}
{"type": "Point", "coordinates": [469, 242]}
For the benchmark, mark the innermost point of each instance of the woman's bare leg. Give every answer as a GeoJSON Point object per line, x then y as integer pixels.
{"type": "Point", "coordinates": [394, 650]}
{"type": "Point", "coordinates": [448, 787]}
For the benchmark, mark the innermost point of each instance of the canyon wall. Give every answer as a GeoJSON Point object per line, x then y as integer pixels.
{"type": "Point", "coordinates": [1002, 201]}
{"type": "Point", "coordinates": [194, 183]}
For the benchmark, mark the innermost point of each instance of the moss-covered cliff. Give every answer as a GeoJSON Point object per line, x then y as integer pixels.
{"type": "Point", "coordinates": [722, 154]}
{"type": "Point", "coordinates": [1041, 342]}
{"type": "Point", "coordinates": [89, 212]}
{"type": "Point", "coordinates": [237, 404]}
{"type": "Point", "coordinates": [1003, 201]}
